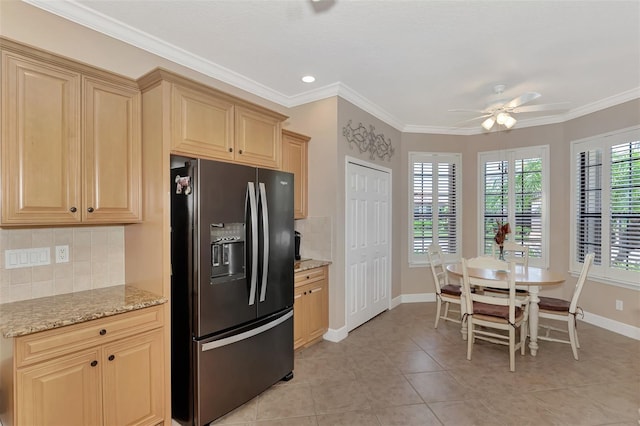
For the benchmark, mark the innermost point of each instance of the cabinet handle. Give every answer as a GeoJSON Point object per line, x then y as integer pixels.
{"type": "Point", "coordinates": [112, 357]}
{"type": "Point", "coordinates": [103, 332]}
{"type": "Point", "coordinates": [94, 363]}
{"type": "Point", "coordinates": [90, 209]}
{"type": "Point", "coordinates": [230, 149]}
{"type": "Point", "coordinates": [73, 210]}
{"type": "Point", "coordinates": [307, 276]}
{"type": "Point", "coordinates": [240, 152]}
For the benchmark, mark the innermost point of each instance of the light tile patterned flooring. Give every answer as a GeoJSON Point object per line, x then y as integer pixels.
{"type": "Point", "coordinates": [398, 370]}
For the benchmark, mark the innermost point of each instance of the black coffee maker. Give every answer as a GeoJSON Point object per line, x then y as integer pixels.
{"type": "Point", "coordinates": [297, 244]}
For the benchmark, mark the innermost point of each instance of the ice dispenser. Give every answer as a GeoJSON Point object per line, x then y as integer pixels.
{"type": "Point", "coordinates": [227, 251]}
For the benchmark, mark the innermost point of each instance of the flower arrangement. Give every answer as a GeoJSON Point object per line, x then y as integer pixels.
{"type": "Point", "coordinates": [501, 234]}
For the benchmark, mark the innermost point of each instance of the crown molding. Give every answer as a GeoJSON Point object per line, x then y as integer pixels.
{"type": "Point", "coordinates": [89, 18]}
{"type": "Point", "coordinates": [76, 12]}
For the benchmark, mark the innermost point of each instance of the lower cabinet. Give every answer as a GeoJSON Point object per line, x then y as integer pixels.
{"type": "Point", "coordinates": [310, 308]}
{"type": "Point", "coordinates": [115, 379]}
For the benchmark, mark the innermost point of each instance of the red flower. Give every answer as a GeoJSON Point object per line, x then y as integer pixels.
{"type": "Point", "coordinates": [501, 234]}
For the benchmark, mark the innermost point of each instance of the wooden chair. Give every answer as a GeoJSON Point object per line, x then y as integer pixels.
{"type": "Point", "coordinates": [446, 293]}
{"type": "Point", "coordinates": [564, 310]}
{"type": "Point", "coordinates": [513, 252]}
{"type": "Point", "coordinates": [517, 253]}
{"type": "Point", "coordinates": [484, 312]}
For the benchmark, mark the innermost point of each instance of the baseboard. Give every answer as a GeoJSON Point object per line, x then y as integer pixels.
{"type": "Point", "coordinates": [334, 335]}
{"type": "Point", "coordinates": [597, 320]}
{"type": "Point", "coordinates": [611, 325]}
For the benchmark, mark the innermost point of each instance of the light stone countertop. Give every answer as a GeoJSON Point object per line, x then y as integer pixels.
{"type": "Point", "coordinates": [305, 264]}
{"type": "Point", "coordinates": [46, 313]}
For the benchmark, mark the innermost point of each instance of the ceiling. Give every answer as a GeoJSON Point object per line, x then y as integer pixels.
{"type": "Point", "coordinates": [406, 62]}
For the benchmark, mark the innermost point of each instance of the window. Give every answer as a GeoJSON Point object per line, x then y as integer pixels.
{"type": "Point", "coordinates": [434, 204]}
{"type": "Point", "coordinates": [606, 205]}
{"type": "Point", "coordinates": [513, 188]}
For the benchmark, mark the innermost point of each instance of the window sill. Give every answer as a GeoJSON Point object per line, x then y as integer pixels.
{"type": "Point", "coordinates": [609, 281]}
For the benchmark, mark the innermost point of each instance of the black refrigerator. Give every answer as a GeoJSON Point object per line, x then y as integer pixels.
{"type": "Point", "coordinates": [232, 255]}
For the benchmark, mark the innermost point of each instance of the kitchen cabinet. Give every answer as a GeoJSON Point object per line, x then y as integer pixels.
{"type": "Point", "coordinates": [310, 307]}
{"type": "Point", "coordinates": [294, 160]}
{"type": "Point", "coordinates": [102, 372]}
{"type": "Point", "coordinates": [70, 142]}
{"type": "Point", "coordinates": [207, 123]}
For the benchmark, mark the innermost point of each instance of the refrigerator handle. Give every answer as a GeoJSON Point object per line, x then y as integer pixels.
{"type": "Point", "coordinates": [265, 232]}
{"type": "Point", "coordinates": [253, 212]}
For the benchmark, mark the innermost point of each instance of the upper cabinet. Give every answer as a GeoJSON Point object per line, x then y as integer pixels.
{"type": "Point", "coordinates": [70, 142]}
{"type": "Point", "coordinates": [294, 160]}
{"type": "Point", "coordinates": [207, 123]}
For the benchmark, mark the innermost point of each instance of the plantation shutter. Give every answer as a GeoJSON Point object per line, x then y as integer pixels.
{"type": "Point", "coordinates": [434, 204]}
{"type": "Point", "coordinates": [589, 205]}
{"type": "Point", "coordinates": [624, 216]}
{"type": "Point", "coordinates": [496, 199]}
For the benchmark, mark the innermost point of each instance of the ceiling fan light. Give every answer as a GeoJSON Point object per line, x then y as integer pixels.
{"type": "Point", "coordinates": [509, 122]}
{"type": "Point", "coordinates": [502, 117]}
{"type": "Point", "coordinates": [488, 123]}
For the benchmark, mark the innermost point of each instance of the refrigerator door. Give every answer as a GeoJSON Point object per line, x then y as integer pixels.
{"type": "Point", "coordinates": [275, 211]}
{"type": "Point", "coordinates": [223, 198]}
{"type": "Point", "coordinates": [236, 366]}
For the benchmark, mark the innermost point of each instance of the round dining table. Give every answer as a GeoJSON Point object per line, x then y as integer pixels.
{"type": "Point", "coordinates": [531, 277]}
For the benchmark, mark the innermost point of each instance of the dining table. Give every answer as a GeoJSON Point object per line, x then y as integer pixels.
{"type": "Point", "coordinates": [531, 277]}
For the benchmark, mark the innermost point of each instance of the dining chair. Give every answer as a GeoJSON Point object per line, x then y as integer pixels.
{"type": "Point", "coordinates": [513, 252]}
{"type": "Point", "coordinates": [564, 310]}
{"type": "Point", "coordinates": [446, 294]}
{"type": "Point", "coordinates": [484, 312]}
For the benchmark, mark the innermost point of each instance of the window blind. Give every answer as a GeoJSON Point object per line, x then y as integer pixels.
{"type": "Point", "coordinates": [606, 178]}
{"type": "Point", "coordinates": [624, 216]}
{"type": "Point", "coordinates": [434, 217]}
{"type": "Point", "coordinates": [513, 187]}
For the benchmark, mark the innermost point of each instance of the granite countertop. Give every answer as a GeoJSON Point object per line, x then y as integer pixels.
{"type": "Point", "coordinates": [45, 313]}
{"type": "Point", "coordinates": [305, 264]}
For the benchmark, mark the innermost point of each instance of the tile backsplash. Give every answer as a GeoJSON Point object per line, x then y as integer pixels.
{"type": "Point", "coordinates": [96, 259]}
{"type": "Point", "coordinates": [316, 237]}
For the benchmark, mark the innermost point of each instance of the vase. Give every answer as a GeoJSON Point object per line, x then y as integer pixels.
{"type": "Point", "coordinates": [501, 256]}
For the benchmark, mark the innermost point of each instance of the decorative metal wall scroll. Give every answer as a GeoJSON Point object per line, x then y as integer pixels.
{"type": "Point", "coordinates": [367, 140]}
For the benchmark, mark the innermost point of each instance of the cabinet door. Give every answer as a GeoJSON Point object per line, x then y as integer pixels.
{"type": "Point", "coordinates": [294, 160]}
{"type": "Point", "coordinates": [40, 142]}
{"type": "Point", "coordinates": [112, 150]}
{"type": "Point", "coordinates": [202, 125]}
{"type": "Point", "coordinates": [258, 138]}
{"type": "Point", "coordinates": [64, 391]}
{"type": "Point", "coordinates": [299, 318]}
{"type": "Point", "coordinates": [317, 309]}
{"type": "Point", "coordinates": [133, 380]}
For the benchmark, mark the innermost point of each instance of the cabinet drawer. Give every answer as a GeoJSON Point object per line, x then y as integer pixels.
{"type": "Point", "coordinates": [309, 276]}
{"type": "Point", "coordinates": [47, 344]}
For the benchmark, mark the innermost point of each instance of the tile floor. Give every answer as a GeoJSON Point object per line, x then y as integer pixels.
{"type": "Point", "coordinates": [398, 370]}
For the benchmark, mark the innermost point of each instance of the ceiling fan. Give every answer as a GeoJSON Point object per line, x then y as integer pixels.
{"type": "Point", "coordinates": [502, 113]}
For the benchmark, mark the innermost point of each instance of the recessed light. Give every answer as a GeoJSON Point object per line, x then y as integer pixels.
{"type": "Point", "coordinates": [308, 79]}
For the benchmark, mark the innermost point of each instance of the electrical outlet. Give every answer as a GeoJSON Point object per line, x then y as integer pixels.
{"type": "Point", "coordinates": [62, 254]}
{"type": "Point", "coordinates": [618, 305]}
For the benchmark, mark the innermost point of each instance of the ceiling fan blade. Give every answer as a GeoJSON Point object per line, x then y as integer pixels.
{"type": "Point", "coordinates": [467, 110]}
{"type": "Point", "coordinates": [473, 119]}
{"type": "Point", "coordinates": [522, 99]}
{"type": "Point", "coordinates": [561, 106]}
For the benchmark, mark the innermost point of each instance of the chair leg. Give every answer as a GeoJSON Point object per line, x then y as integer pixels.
{"type": "Point", "coordinates": [446, 309]}
{"type": "Point", "coordinates": [573, 336]}
{"type": "Point", "coordinates": [512, 349]}
{"type": "Point", "coordinates": [469, 337]}
{"type": "Point", "coordinates": [523, 337]}
{"type": "Point", "coordinates": [438, 307]}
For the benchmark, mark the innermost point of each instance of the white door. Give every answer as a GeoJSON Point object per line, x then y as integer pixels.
{"type": "Point", "coordinates": [368, 251]}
